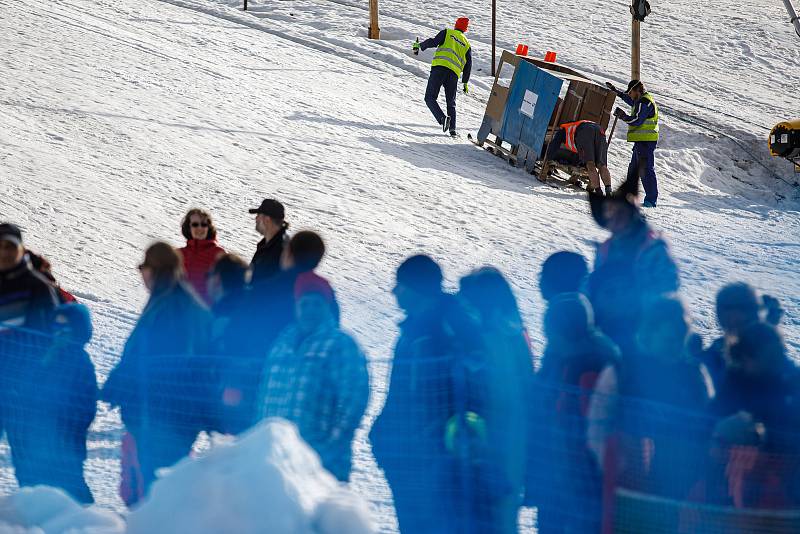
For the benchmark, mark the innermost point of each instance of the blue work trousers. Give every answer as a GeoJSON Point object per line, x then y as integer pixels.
{"type": "Point", "coordinates": [442, 77]}
{"type": "Point", "coordinates": [642, 166]}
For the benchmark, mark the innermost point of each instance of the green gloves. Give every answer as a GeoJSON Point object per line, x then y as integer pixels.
{"type": "Point", "coordinates": [466, 88]}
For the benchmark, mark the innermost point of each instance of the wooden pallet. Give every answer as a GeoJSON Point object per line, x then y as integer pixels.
{"type": "Point", "coordinates": [559, 175]}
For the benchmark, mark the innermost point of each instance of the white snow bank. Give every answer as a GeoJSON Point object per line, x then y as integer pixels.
{"type": "Point", "coordinates": [47, 510]}
{"type": "Point", "coordinates": [267, 480]}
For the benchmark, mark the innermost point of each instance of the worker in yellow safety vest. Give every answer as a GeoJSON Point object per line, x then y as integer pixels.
{"type": "Point", "coordinates": [453, 58]}
{"type": "Point", "coordinates": [643, 133]}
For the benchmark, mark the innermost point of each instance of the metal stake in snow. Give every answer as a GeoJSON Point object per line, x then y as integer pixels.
{"type": "Point", "coordinates": [792, 16]}
{"type": "Point", "coordinates": [494, 20]}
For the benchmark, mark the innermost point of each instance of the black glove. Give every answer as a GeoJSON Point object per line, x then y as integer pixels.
{"type": "Point", "coordinates": [612, 87]}
{"type": "Point", "coordinates": [619, 113]}
{"type": "Point", "coordinates": [774, 310]}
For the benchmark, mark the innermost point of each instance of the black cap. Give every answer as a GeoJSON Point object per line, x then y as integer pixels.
{"type": "Point", "coordinates": [271, 208]}
{"type": "Point", "coordinates": [633, 84]}
{"type": "Point", "coordinates": [10, 232]}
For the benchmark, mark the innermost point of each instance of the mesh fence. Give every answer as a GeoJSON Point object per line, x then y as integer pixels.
{"type": "Point", "coordinates": [457, 454]}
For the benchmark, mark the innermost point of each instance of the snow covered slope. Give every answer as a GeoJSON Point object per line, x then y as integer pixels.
{"type": "Point", "coordinates": [116, 117]}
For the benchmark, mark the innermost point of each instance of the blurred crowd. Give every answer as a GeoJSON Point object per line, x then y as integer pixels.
{"type": "Point", "coordinates": [625, 394]}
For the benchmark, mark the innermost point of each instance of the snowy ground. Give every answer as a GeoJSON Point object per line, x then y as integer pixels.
{"type": "Point", "coordinates": [116, 117]}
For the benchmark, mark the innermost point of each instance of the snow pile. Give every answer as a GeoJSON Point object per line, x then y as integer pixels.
{"type": "Point", "coordinates": [268, 479]}
{"type": "Point", "coordinates": [46, 510]}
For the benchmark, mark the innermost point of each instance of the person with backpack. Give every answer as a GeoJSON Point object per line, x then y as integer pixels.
{"type": "Point", "coordinates": [453, 58]}
{"type": "Point", "coordinates": [433, 410]}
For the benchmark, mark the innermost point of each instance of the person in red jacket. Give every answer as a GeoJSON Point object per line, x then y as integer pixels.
{"type": "Point", "coordinates": [201, 250]}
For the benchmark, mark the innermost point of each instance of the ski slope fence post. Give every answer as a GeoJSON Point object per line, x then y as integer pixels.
{"type": "Point", "coordinates": [374, 29]}
{"type": "Point", "coordinates": [245, 5]}
{"type": "Point", "coordinates": [636, 34]}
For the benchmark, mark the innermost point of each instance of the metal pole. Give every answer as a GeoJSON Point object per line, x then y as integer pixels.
{"type": "Point", "coordinates": [792, 16]}
{"type": "Point", "coordinates": [494, 25]}
{"type": "Point", "coordinates": [245, 5]}
{"type": "Point", "coordinates": [374, 29]}
{"type": "Point", "coordinates": [636, 71]}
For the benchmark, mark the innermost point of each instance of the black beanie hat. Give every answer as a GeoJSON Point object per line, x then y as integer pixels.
{"type": "Point", "coordinates": [421, 274]}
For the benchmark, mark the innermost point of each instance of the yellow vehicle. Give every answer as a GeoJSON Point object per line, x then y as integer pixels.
{"type": "Point", "coordinates": [784, 141]}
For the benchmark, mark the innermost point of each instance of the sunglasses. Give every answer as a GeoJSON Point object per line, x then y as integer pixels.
{"type": "Point", "coordinates": [199, 225]}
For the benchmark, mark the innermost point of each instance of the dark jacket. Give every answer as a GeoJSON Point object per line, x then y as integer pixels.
{"type": "Point", "coordinates": [228, 331]}
{"type": "Point", "coordinates": [642, 110]}
{"type": "Point", "coordinates": [630, 269]}
{"type": "Point", "coordinates": [773, 401]}
{"type": "Point", "coordinates": [714, 359]}
{"type": "Point", "coordinates": [436, 375]}
{"type": "Point", "coordinates": [199, 255]}
{"type": "Point", "coordinates": [664, 402]}
{"type": "Point", "coordinates": [266, 262]}
{"type": "Point", "coordinates": [238, 364]}
{"type": "Point", "coordinates": [318, 381]}
{"type": "Point", "coordinates": [27, 298]}
{"type": "Point", "coordinates": [562, 471]}
{"type": "Point", "coordinates": [270, 305]}
{"type": "Point", "coordinates": [507, 410]}
{"type": "Point", "coordinates": [162, 377]}
{"type": "Point", "coordinates": [439, 41]}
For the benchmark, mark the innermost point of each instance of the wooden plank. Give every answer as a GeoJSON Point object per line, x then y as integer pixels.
{"type": "Point", "coordinates": [543, 173]}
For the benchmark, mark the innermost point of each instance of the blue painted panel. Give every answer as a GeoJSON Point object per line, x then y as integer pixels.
{"type": "Point", "coordinates": [535, 128]}
{"type": "Point", "coordinates": [524, 80]}
{"type": "Point", "coordinates": [531, 102]}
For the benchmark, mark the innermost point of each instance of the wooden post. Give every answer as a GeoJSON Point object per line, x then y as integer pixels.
{"type": "Point", "coordinates": [543, 172]}
{"type": "Point", "coordinates": [494, 25]}
{"type": "Point", "coordinates": [374, 29]}
{"type": "Point", "coordinates": [636, 71]}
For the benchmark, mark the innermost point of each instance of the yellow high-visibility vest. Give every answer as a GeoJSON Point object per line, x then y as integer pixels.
{"type": "Point", "coordinates": [648, 130]}
{"type": "Point", "coordinates": [453, 52]}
